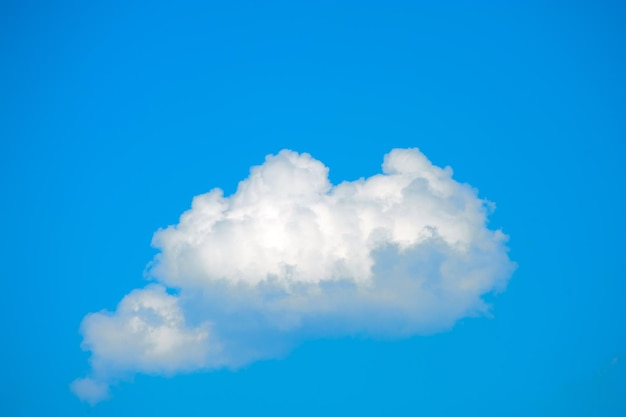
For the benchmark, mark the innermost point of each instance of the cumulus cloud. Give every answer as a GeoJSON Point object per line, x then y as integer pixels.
{"type": "Point", "coordinates": [290, 256]}
{"type": "Point", "coordinates": [90, 390]}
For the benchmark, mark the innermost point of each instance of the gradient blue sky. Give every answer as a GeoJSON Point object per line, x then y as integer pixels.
{"type": "Point", "coordinates": [113, 116]}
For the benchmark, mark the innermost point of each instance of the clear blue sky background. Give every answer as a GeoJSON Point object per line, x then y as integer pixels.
{"type": "Point", "coordinates": [113, 116]}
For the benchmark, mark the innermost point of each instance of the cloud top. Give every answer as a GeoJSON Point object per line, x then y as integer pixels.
{"type": "Point", "coordinates": [288, 223]}
{"type": "Point", "coordinates": [290, 256]}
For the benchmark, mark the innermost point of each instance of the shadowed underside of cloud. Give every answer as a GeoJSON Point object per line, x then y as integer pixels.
{"type": "Point", "coordinates": [289, 256]}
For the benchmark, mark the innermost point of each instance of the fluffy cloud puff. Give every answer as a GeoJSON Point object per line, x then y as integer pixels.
{"type": "Point", "coordinates": [289, 256]}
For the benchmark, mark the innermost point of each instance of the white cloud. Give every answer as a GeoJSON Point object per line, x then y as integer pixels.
{"type": "Point", "coordinates": [90, 390]}
{"type": "Point", "coordinates": [291, 256]}
{"type": "Point", "coordinates": [147, 333]}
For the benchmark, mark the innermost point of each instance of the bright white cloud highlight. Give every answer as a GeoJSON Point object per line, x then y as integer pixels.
{"type": "Point", "coordinates": [290, 256]}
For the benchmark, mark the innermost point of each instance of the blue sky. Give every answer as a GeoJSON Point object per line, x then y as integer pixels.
{"type": "Point", "coordinates": [113, 117]}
